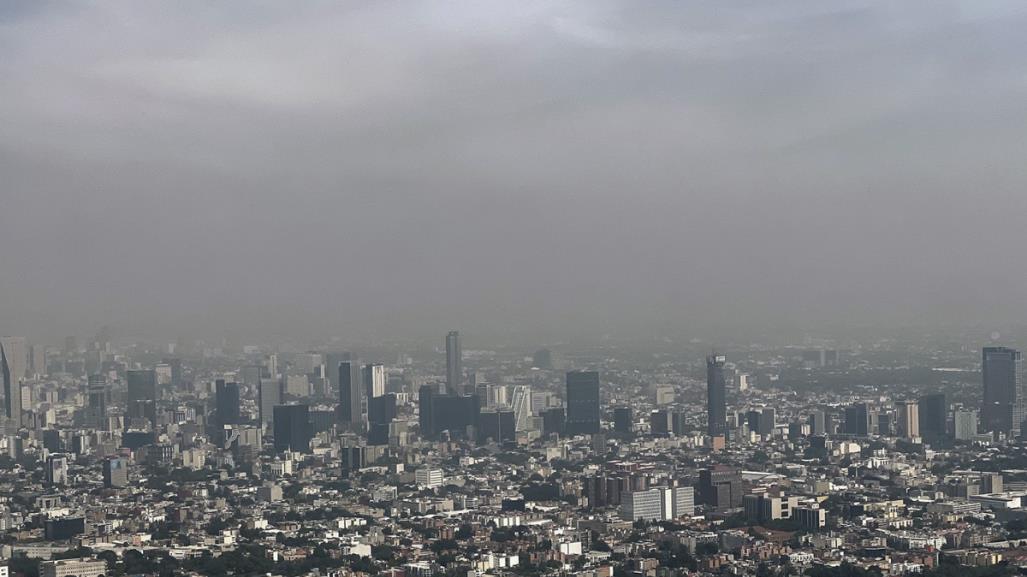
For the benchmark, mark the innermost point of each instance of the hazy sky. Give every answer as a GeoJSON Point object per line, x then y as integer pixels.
{"type": "Point", "coordinates": [396, 168]}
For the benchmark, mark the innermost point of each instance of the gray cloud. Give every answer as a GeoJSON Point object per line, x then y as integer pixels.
{"type": "Point", "coordinates": [554, 168]}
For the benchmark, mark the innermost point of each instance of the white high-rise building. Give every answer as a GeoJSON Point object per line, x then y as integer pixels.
{"type": "Point", "coordinates": [428, 477]}
{"type": "Point", "coordinates": [521, 404]}
{"type": "Point", "coordinates": [660, 504]}
{"type": "Point", "coordinates": [374, 380]}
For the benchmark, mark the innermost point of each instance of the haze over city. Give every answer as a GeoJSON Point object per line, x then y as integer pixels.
{"type": "Point", "coordinates": [552, 170]}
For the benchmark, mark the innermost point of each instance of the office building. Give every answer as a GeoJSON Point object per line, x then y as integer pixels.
{"type": "Point", "coordinates": [933, 410]}
{"type": "Point", "coordinates": [763, 508]}
{"type": "Point", "coordinates": [623, 418]}
{"type": "Point", "coordinates": [428, 477]}
{"type": "Point", "coordinates": [520, 402]}
{"type": "Point", "coordinates": [57, 470]}
{"type": "Point", "coordinates": [1002, 407]}
{"type": "Point", "coordinates": [96, 389]}
{"type": "Point", "coordinates": [810, 518]}
{"type": "Point", "coordinates": [553, 421]}
{"type": "Point", "coordinates": [381, 410]}
{"type": "Point", "coordinates": [269, 396]}
{"type": "Point", "coordinates": [659, 504]}
{"type": "Point", "coordinates": [226, 403]}
{"type": "Point", "coordinates": [292, 429]}
{"type": "Point", "coordinates": [583, 411]}
{"type": "Point", "coordinates": [115, 472]}
{"type": "Point", "coordinates": [374, 380]}
{"type": "Point", "coordinates": [84, 567]}
{"type": "Point", "coordinates": [454, 364]}
{"type": "Point", "coordinates": [857, 420]}
{"type": "Point", "coordinates": [720, 487]}
{"type": "Point", "coordinates": [716, 396]}
{"type": "Point", "coordinates": [351, 394]}
{"type": "Point", "coordinates": [17, 351]}
{"type": "Point", "coordinates": [456, 414]}
{"type": "Point", "coordinates": [660, 422]}
{"type": "Point", "coordinates": [142, 397]}
{"type": "Point", "coordinates": [964, 424]}
{"type": "Point", "coordinates": [332, 362]}
{"type": "Point", "coordinates": [12, 393]}
{"type": "Point", "coordinates": [496, 425]}
{"type": "Point", "coordinates": [908, 419]}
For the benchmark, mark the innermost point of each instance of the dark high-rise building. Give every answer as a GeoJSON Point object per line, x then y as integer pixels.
{"type": "Point", "coordinates": [142, 396]}
{"type": "Point", "coordinates": [553, 421]}
{"type": "Point", "coordinates": [351, 394]}
{"type": "Point", "coordinates": [454, 364]}
{"type": "Point", "coordinates": [720, 487]}
{"type": "Point", "coordinates": [818, 422]}
{"type": "Point", "coordinates": [332, 361]}
{"type": "Point", "coordinates": [857, 420]}
{"type": "Point", "coordinates": [292, 428]}
{"type": "Point", "coordinates": [12, 393]}
{"type": "Point", "coordinates": [381, 411]}
{"type": "Point", "coordinates": [453, 413]}
{"type": "Point", "coordinates": [270, 396]}
{"type": "Point", "coordinates": [622, 419]}
{"type": "Point", "coordinates": [425, 396]}
{"type": "Point", "coordinates": [97, 408]}
{"type": "Point", "coordinates": [716, 395]}
{"type": "Point", "coordinates": [496, 425]}
{"type": "Point", "coordinates": [582, 403]}
{"type": "Point", "coordinates": [1002, 409]}
{"type": "Point", "coordinates": [933, 413]}
{"type": "Point", "coordinates": [226, 402]}
{"type": "Point", "coordinates": [660, 422]}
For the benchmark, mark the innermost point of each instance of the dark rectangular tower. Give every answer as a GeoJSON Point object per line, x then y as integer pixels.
{"type": "Point", "coordinates": [351, 394]}
{"type": "Point", "coordinates": [716, 395]}
{"type": "Point", "coordinates": [582, 403]}
{"type": "Point", "coordinates": [292, 428]}
{"type": "Point", "coordinates": [226, 402]}
{"type": "Point", "coordinates": [454, 364]}
{"type": "Point", "coordinates": [1001, 375]}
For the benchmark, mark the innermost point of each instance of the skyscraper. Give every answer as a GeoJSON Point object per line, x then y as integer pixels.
{"type": "Point", "coordinates": [720, 487]}
{"type": "Point", "coordinates": [582, 403]}
{"type": "Point", "coordinates": [351, 394]}
{"type": "Point", "coordinates": [622, 419]}
{"type": "Point", "coordinates": [292, 428]}
{"type": "Point", "coordinates": [142, 396]}
{"type": "Point", "coordinates": [12, 392]}
{"type": "Point", "coordinates": [520, 401]}
{"type": "Point", "coordinates": [454, 364]}
{"type": "Point", "coordinates": [17, 350]}
{"type": "Point", "coordinates": [115, 472]}
{"type": "Point", "coordinates": [964, 425]}
{"type": "Point", "coordinates": [226, 402]}
{"type": "Point", "coordinates": [716, 395]}
{"type": "Point", "coordinates": [908, 413]}
{"type": "Point", "coordinates": [1001, 374]}
{"type": "Point", "coordinates": [857, 420]}
{"type": "Point", "coordinates": [332, 360]}
{"type": "Point", "coordinates": [381, 410]}
{"type": "Point", "coordinates": [270, 396]}
{"type": "Point", "coordinates": [57, 470]}
{"type": "Point", "coordinates": [374, 380]}
{"type": "Point", "coordinates": [97, 391]}
{"type": "Point", "coordinates": [934, 410]}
